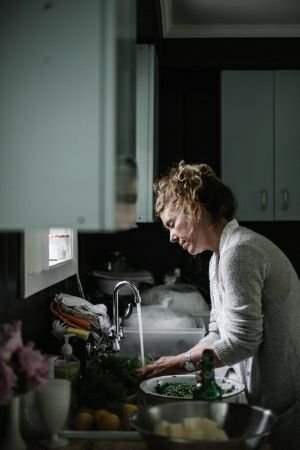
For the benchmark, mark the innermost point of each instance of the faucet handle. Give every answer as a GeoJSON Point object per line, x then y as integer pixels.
{"type": "Point", "coordinates": [111, 331]}
{"type": "Point", "coordinates": [128, 311]}
{"type": "Point", "coordinates": [116, 345]}
{"type": "Point", "coordinates": [121, 333]}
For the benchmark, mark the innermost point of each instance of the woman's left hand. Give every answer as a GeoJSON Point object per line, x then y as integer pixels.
{"type": "Point", "coordinates": [165, 365]}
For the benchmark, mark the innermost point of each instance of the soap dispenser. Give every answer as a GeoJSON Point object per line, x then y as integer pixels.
{"type": "Point", "coordinates": [67, 365]}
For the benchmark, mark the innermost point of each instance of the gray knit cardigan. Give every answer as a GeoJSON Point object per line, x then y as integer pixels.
{"type": "Point", "coordinates": [255, 318]}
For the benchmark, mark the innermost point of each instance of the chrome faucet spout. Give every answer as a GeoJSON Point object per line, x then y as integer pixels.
{"type": "Point", "coordinates": [137, 299]}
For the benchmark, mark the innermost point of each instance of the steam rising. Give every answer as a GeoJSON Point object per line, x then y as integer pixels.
{"type": "Point", "coordinates": [157, 317]}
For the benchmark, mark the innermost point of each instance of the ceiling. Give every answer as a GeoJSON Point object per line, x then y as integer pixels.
{"type": "Point", "coordinates": [230, 18]}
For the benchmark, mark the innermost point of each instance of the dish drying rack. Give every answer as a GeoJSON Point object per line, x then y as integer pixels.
{"type": "Point", "coordinates": [91, 322]}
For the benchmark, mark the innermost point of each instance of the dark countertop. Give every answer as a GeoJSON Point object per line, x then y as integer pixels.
{"type": "Point", "coordinates": [90, 444]}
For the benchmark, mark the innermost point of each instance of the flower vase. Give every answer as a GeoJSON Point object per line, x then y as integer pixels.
{"type": "Point", "coordinates": [13, 438]}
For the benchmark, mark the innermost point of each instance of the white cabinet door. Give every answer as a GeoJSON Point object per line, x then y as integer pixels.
{"type": "Point", "coordinates": [64, 68]}
{"type": "Point", "coordinates": [260, 141]}
{"type": "Point", "coordinates": [287, 144]}
{"type": "Point", "coordinates": [247, 141]}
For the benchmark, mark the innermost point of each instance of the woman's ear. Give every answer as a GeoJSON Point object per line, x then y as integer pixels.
{"type": "Point", "coordinates": [198, 212]}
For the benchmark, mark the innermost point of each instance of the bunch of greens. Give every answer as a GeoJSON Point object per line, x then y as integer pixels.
{"type": "Point", "coordinates": [107, 381]}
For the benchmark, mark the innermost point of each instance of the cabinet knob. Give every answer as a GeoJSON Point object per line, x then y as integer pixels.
{"type": "Point", "coordinates": [264, 199]}
{"type": "Point", "coordinates": [285, 199]}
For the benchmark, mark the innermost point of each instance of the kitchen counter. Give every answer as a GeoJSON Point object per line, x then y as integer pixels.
{"type": "Point", "coordinates": [90, 444]}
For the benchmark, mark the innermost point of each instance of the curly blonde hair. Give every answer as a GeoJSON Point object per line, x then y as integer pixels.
{"type": "Point", "coordinates": [187, 185]}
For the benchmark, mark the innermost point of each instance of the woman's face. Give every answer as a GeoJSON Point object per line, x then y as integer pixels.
{"type": "Point", "coordinates": [192, 235]}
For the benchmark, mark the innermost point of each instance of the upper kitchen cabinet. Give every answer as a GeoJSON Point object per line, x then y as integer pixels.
{"type": "Point", "coordinates": [287, 145]}
{"type": "Point", "coordinates": [146, 128]}
{"type": "Point", "coordinates": [260, 138]}
{"type": "Point", "coordinates": [67, 114]}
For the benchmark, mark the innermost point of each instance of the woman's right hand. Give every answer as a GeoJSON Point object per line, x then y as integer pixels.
{"type": "Point", "coordinates": [166, 365]}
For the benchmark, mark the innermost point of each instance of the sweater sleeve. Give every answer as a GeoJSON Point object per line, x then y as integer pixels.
{"type": "Point", "coordinates": [242, 271]}
{"type": "Point", "coordinates": [213, 331]}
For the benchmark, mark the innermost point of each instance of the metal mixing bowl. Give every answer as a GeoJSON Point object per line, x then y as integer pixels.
{"type": "Point", "coordinates": [247, 427]}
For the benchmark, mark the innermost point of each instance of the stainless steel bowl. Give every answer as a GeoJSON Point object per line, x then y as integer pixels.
{"type": "Point", "coordinates": [247, 427]}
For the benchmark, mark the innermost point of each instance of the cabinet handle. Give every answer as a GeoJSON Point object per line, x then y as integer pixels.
{"type": "Point", "coordinates": [264, 199]}
{"type": "Point", "coordinates": [285, 199]}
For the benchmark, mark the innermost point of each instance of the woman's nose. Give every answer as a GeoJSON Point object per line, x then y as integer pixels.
{"type": "Point", "coordinates": [173, 236]}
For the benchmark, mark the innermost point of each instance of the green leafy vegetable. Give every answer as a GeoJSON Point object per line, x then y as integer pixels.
{"type": "Point", "coordinates": [183, 390]}
{"type": "Point", "coordinates": [108, 381]}
{"type": "Point", "coordinates": [175, 389]}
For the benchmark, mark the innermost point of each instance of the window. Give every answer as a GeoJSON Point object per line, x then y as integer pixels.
{"type": "Point", "coordinates": [60, 245]}
{"type": "Point", "coordinates": [50, 256]}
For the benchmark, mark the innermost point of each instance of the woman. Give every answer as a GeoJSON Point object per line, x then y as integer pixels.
{"type": "Point", "coordinates": [255, 295]}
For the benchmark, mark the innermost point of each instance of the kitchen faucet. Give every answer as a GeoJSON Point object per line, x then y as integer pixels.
{"type": "Point", "coordinates": [116, 330]}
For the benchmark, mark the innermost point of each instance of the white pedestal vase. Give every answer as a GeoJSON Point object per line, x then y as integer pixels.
{"type": "Point", "coordinates": [13, 438]}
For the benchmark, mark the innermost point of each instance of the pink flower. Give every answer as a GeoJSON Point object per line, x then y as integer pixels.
{"type": "Point", "coordinates": [22, 368]}
{"type": "Point", "coordinates": [7, 382]}
{"type": "Point", "coordinates": [33, 366]}
{"type": "Point", "coordinates": [10, 340]}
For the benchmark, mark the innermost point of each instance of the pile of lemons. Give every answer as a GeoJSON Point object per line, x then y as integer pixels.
{"type": "Point", "coordinates": [103, 419]}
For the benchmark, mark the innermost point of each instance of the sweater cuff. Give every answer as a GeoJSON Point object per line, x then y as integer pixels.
{"type": "Point", "coordinates": [210, 338]}
{"type": "Point", "coordinates": [223, 350]}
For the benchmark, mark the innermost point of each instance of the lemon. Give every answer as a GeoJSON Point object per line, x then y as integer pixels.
{"type": "Point", "coordinates": [99, 413]}
{"type": "Point", "coordinates": [83, 421]}
{"type": "Point", "coordinates": [128, 410]}
{"type": "Point", "coordinates": [105, 420]}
